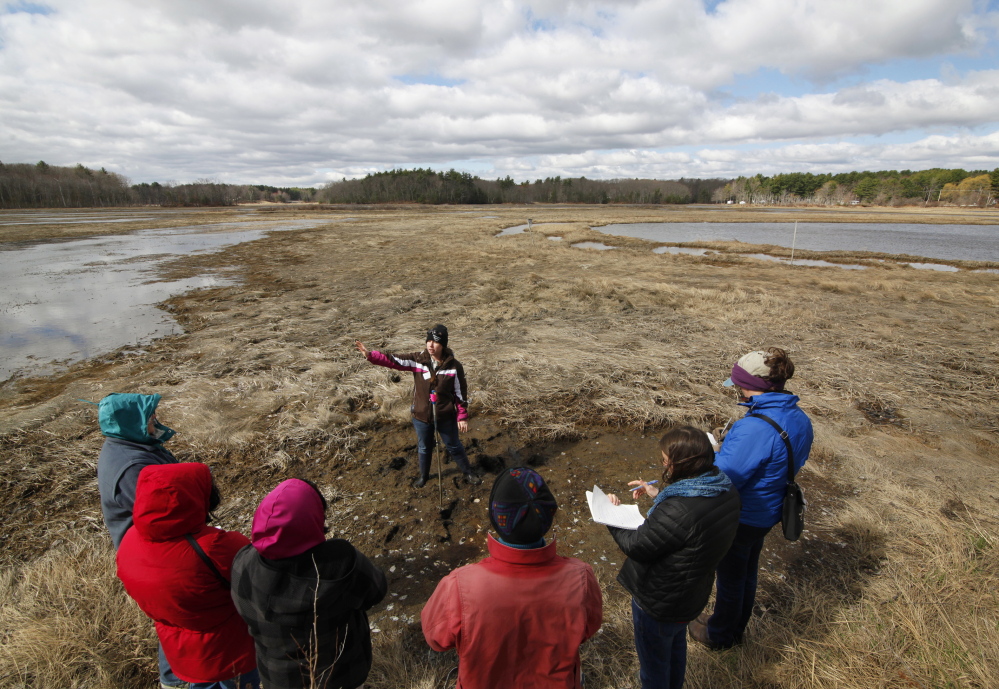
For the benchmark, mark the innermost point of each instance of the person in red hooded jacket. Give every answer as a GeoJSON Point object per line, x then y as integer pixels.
{"type": "Point", "coordinates": [177, 568]}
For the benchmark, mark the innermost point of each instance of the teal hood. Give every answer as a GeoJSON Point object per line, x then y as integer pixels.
{"type": "Point", "coordinates": [126, 416]}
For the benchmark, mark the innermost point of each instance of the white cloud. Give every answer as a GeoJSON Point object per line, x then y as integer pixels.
{"type": "Point", "coordinates": [259, 91]}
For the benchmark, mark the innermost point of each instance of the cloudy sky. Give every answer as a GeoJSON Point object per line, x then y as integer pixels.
{"type": "Point", "coordinates": [299, 92]}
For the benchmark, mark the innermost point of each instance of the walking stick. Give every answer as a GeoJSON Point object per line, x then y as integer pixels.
{"type": "Point", "coordinates": [437, 455]}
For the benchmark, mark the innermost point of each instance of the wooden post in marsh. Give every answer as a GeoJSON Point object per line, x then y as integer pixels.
{"type": "Point", "coordinates": [794, 238]}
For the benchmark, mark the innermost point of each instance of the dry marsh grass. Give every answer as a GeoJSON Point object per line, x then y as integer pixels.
{"type": "Point", "coordinates": [69, 623]}
{"type": "Point", "coordinates": [577, 360]}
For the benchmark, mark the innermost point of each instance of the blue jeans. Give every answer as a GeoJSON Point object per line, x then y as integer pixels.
{"type": "Point", "coordinates": [425, 443]}
{"type": "Point", "coordinates": [662, 650]}
{"type": "Point", "coordinates": [167, 678]}
{"type": "Point", "coordinates": [736, 578]}
{"type": "Point", "coordinates": [248, 680]}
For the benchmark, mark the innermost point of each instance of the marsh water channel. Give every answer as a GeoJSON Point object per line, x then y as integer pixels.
{"type": "Point", "coordinates": [943, 242]}
{"type": "Point", "coordinates": [66, 300]}
{"type": "Point", "coordinates": [932, 241]}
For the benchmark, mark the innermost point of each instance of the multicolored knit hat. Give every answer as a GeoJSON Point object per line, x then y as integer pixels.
{"type": "Point", "coordinates": [752, 373]}
{"type": "Point", "coordinates": [521, 506]}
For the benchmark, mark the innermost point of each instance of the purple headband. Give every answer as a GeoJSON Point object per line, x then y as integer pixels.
{"type": "Point", "coordinates": [744, 379]}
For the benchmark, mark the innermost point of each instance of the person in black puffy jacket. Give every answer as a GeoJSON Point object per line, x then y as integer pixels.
{"type": "Point", "coordinates": [305, 598]}
{"type": "Point", "coordinates": [672, 556]}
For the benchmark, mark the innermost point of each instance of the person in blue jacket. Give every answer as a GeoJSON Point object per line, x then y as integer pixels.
{"type": "Point", "coordinates": [755, 458]}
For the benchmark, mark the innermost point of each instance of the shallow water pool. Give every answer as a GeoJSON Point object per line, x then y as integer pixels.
{"type": "Point", "coordinates": [66, 300]}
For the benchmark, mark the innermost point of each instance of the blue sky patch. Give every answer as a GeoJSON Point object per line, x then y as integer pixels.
{"type": "Point", "coordinates": [431, 79]}
{"type": "Point", "coordinates": [26, 8]}
{"type": "Point", "coordinates": [747, 87]}
{"type": "Point", "coordinates": [768, 80]}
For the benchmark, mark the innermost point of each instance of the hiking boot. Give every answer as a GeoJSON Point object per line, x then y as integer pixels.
{"type": "Point", "coordinates": [698, 631]}
{"type": "Point", "coordinates": [420, 482]}
{"type": "Point", "coordinates": [472, 479]}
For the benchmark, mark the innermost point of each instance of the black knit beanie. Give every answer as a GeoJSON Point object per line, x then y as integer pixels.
{"type": "Point", "coordinates": [438, 333]}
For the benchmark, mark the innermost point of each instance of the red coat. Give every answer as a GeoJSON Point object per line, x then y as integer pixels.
{"type": "Point", "coordinates": [517, 618]}
{"type": "Point", "coordinates": [202, 635]}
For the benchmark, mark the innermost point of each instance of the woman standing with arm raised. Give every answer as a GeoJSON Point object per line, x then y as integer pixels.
{"type": "Point", "coordinates": [435, 371]}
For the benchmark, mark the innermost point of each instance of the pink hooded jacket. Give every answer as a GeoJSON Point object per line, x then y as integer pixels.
{"type": "Point", "coordinates": [289, 521]}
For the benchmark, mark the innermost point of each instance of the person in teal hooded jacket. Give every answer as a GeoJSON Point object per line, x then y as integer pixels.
{"type": "Point", "coordinates": [134, 439]}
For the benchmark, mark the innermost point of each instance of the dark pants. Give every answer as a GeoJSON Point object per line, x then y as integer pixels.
{"type": "Point", "coordinates": [662, 650]}
{"type": "Point", "coordinates": [736, 578]}
{"type": "Point", "coordinates": [425, 443]}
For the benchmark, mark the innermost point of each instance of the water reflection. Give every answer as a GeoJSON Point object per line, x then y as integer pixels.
{"type": "Point", "coordinates": [592, 245]}
{"type": "Point", "coordinates": [805, 262]}
{"type": "Point", "coordinates": [517, 229]}
{"type": "Point", "coordinates": [67, 300]}
{"type": "Point", "coordinates": [950, 242]}
{"type": "Point", "coordinates": [932, 266]}
{"type": "Point", "coordinates": [681, 250]}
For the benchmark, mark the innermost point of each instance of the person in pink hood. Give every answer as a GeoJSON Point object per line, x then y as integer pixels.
{"type": "Point", "coordinates": [304, 597]}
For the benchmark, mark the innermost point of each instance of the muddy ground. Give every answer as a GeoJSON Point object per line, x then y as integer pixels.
{"type": "Point", "coordinates": [577, 361]}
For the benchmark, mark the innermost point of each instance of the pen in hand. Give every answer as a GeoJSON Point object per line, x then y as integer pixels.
{"type": "Point", "coordinates": [638, 487]}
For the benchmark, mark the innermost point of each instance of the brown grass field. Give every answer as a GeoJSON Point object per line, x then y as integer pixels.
{"type": "Point", "coordinates": [577, 361]}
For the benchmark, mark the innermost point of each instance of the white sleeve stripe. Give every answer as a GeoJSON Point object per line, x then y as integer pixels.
{"type": "Point", "coordinates": [410, 363]}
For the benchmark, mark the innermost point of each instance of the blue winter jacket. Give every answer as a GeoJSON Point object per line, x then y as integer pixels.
{"type": "Point", "coordinates": [755, 458]}
{"type": "Point", "coordinates": [128, 448]}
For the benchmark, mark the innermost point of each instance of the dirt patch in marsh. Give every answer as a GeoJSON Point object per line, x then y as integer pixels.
{"type": "Point", "coordinates": [577, 361]}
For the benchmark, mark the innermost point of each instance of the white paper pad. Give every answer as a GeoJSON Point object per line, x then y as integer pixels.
{"type": "Point", "coordinates": [603, 512]}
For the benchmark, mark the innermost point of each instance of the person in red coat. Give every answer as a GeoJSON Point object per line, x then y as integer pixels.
{"type": "Point", "coordinates": [177, 568]}
{"type": "Point", "coordinates": [519, 616]}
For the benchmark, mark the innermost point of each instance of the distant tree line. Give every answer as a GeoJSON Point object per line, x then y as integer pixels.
{"type": "Point", "coordinates": [49, 186]}
{"type": "Point", "coordinates": [884, 188]}
{"type": "Point", "coordinates": [429, 186]}
{"type": "Point", "coordinates": [41, 185]}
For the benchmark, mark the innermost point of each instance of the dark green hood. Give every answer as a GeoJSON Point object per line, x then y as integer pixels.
{"type": "Point", "coordinates": [126, 416]}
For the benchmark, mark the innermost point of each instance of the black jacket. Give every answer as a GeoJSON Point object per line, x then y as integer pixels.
{"type": "Point", "coordinates": [307, 611]}
{"type": "Point", "coordinates": [672, 556]}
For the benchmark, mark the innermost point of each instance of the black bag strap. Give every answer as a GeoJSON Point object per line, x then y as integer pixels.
{"type": "Point", "coordinates": [207, 560]}
{"type": "Point", "coordinates": [787, 443]}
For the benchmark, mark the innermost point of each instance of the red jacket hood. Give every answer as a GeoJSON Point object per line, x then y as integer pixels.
{"type": "Point", "coordinates": [288, 521]}
{"type": "Point", "coordinates": [171, 500]}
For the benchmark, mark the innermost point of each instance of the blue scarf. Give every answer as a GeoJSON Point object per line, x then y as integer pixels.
{"type": "Point", "coordinates": [708, 485]}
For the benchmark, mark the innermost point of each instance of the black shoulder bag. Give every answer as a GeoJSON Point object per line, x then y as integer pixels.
{"type": "Point", "coordinates": [207, 560]}
{"type": "Point", "coordinates": [793, 517]}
